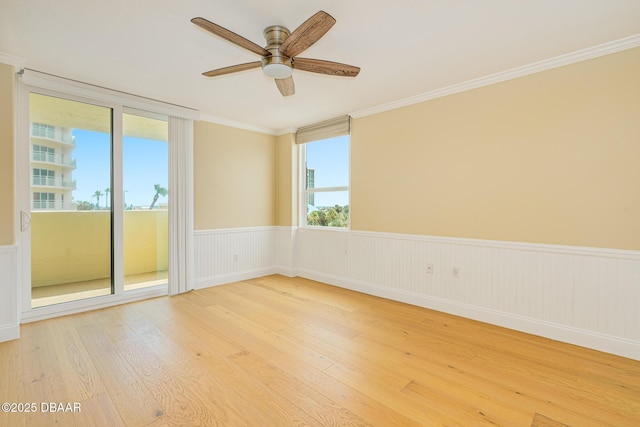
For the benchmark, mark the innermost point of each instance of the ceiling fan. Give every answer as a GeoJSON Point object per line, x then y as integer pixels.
{"type": "Point", "coordinates": [280, 55]}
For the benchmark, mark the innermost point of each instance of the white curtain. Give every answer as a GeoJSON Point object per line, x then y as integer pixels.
{"type": "Point", "coordinates": [180, 205]}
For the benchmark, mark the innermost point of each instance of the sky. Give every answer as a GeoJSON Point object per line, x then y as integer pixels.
{"type": "Point", "coordinates": [145, 163]}
{"type": "Point", "coordinates": [330, 159]}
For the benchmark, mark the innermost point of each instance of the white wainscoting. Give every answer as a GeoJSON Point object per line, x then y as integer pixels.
{"type": "Point", "coordinates": [585, 296]}
{"type": "Point", "coordinates": [286, 257]}
{"type": "Point", "coordinates": [233, 254]}
{"type": "Point", "coordinates": [9, 322]}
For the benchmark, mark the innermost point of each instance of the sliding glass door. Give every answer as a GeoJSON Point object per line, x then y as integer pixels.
{"type": "Point", "coordinates": [70, 145]}
{"type": "Point", "coordinates": [98, 201]}
{"type": "Point", "coordinates": [145, 162]}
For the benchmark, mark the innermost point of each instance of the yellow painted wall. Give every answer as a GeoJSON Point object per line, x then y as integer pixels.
{"type": "Point", "coordinates": [286, 175]}
{"type": "Point", "coordinates": [552, 157]}
{"type": "Point", "coordinates": [234, 177]}
{"type": "Point", "coordinates": [146, 241]}
{"type": "Point", "coordinates": [7, 79]}
{"type": "Point", "coordinates": [68, 247]}
{"type": "Point", "coordinates": [81, 239]}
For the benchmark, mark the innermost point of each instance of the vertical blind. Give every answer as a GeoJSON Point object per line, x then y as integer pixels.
{"type": "Point", "coordinates": [324, 130]}
{"type": "Point", "coordinates": [181, 210]}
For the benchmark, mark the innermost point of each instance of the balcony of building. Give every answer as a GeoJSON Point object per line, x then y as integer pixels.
{"type": "Point", "coordinates": [60, 205]}
{"type": "Point", "coordinates": [52, 182]}
{"type": "Point", "coordinates": [71, 253]}
{"type": "Point", "coordinates": [53, 159]}
{"type": "Point", "coordinates": [51, 133]}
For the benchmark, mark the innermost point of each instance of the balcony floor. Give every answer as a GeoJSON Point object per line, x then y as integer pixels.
{"type": "Point", "coordinates": [55, 294]}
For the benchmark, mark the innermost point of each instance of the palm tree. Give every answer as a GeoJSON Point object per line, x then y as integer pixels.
{"type": "Point", "coordinates": [160, 191]}
{"type": "Point", "coordinates": [106, 197]}
{"type": "Point", "coordinates": [97, 195]}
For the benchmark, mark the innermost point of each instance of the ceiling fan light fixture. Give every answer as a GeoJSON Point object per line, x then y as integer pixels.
{"type": "Point", "coordinates": [277, 66]}
{"type": "Point", "coordinates": [277, 71]}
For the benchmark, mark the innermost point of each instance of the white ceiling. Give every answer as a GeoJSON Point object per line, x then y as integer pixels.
{"type": "Point", "coordinates": [404, 47]}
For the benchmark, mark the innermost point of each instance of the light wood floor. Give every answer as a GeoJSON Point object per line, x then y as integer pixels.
{"type": "Point", "coordinates": [276, 351]}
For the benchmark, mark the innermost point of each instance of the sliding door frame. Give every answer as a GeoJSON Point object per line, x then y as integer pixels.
{"type": "Point", "coordinates": [119, 104]}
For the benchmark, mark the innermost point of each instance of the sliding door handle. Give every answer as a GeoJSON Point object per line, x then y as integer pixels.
{"type": "Point", "coordinates": [25, 221]}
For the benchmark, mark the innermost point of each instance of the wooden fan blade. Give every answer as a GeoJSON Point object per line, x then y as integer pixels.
{"type": "Point", "coordinates": [233, 69]}
{"type": "Point", "coordinates": [286, 86]}
{"type": "Point", "coordinates": [230, 36]}
{"type": "Point", "coordinates": [307, 34]}
{"type": "Point", "coordinates": [325, 67]}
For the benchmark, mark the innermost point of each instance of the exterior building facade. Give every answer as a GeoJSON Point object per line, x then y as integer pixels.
{"type": "Point", "coordinates": [52, 165]}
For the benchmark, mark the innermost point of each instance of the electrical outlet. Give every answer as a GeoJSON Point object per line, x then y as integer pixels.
{"type": "Point", "coordinates": [455, 272]}
{"type": "Point", "coordinates": [429, 268]}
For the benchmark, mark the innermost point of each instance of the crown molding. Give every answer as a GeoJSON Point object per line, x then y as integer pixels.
{"type": "Point", "coordinates": [536, 67]}
{"type": "Point", "coordinates": [9, 59]}
{"type": "Point", "coordinates": [285, 131]}
{"type": "Point", "coordinates": [238, 125]}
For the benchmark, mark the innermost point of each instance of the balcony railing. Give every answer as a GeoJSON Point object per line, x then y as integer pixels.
{"type": "Point", "coordinates": [58, 205]}
{"type": "Point", "coordinates": [58, 159]}
{"type": "Point", "coordinates": [47, 181]}
{"type": "Point", "coordinates": [53, 134]}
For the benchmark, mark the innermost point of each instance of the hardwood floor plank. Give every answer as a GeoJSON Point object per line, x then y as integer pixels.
{"type": "Point", "coordinates": [275, 321]}
{"type": "Point", "coordinates": [313, 312]}
{"type": "Point", "coordinates": [81, 379]}
{"type": "Point", "coordinates": [360, 404]}
{"type": "Point", "coordinates": [306, 290]}
{"type": "Point", "coordinates": [319, 407]}
{"type": "Point", "coordinates": [542, 421]}
{"type": "Point", "coordinates": [98, 411]}
{"type": "Point", "coordinates": [281, 351]}
{"type": "Point", "coordinates": [368, 381]}
{"type": "Point", "coordinates": [130, 396]}
{"type": "Point", "coordinates": [468, 407]}
{"type": "Point", "coordinates": [464, 393]}
{"type": "Point", "coordinates": [185, 406]}
{"type": "Point", "coordinates": [11, 382]}
{"type": "Point", "coordinates": [171, 314]}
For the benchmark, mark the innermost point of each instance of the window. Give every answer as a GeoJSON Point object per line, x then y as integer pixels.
{"type": "Point", "coordinates": [43, 154]}
{"type": "Point", "coordinates": [43, 200]}
{"type": "Point", "coordinates": [43, 130]}
{"type": "Point", "coordinates": [326, 182]}
{"type": "Point", "coordinates": [43, 177]}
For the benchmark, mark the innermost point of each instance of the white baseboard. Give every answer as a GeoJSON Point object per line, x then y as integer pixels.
{"type": "Point", "coordinates": [9, 332]}
{"type": "Point", "coordinates": [580, 337]}
{"type": "Point", "coordinates": [238, 276]}
{"type": "Point", "coordinates": [286, 271]}
{"type": "Point", "coordinates": [9, 316]}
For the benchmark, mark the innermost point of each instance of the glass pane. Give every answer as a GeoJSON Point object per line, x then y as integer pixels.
{"type": "Point", "coordinates": [328, 209]}
{"type": "Point", "coordinates": [328, 162]}
{"type": "Point", "coordinates": [326, 170]}
{"type": "Point", "coordinates": [70, 162]}
{"type": "Point", "coordinates": [146, 199]}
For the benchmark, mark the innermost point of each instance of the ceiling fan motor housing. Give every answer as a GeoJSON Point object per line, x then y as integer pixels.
{"type": "Point", "coordinates": [277, 65]}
